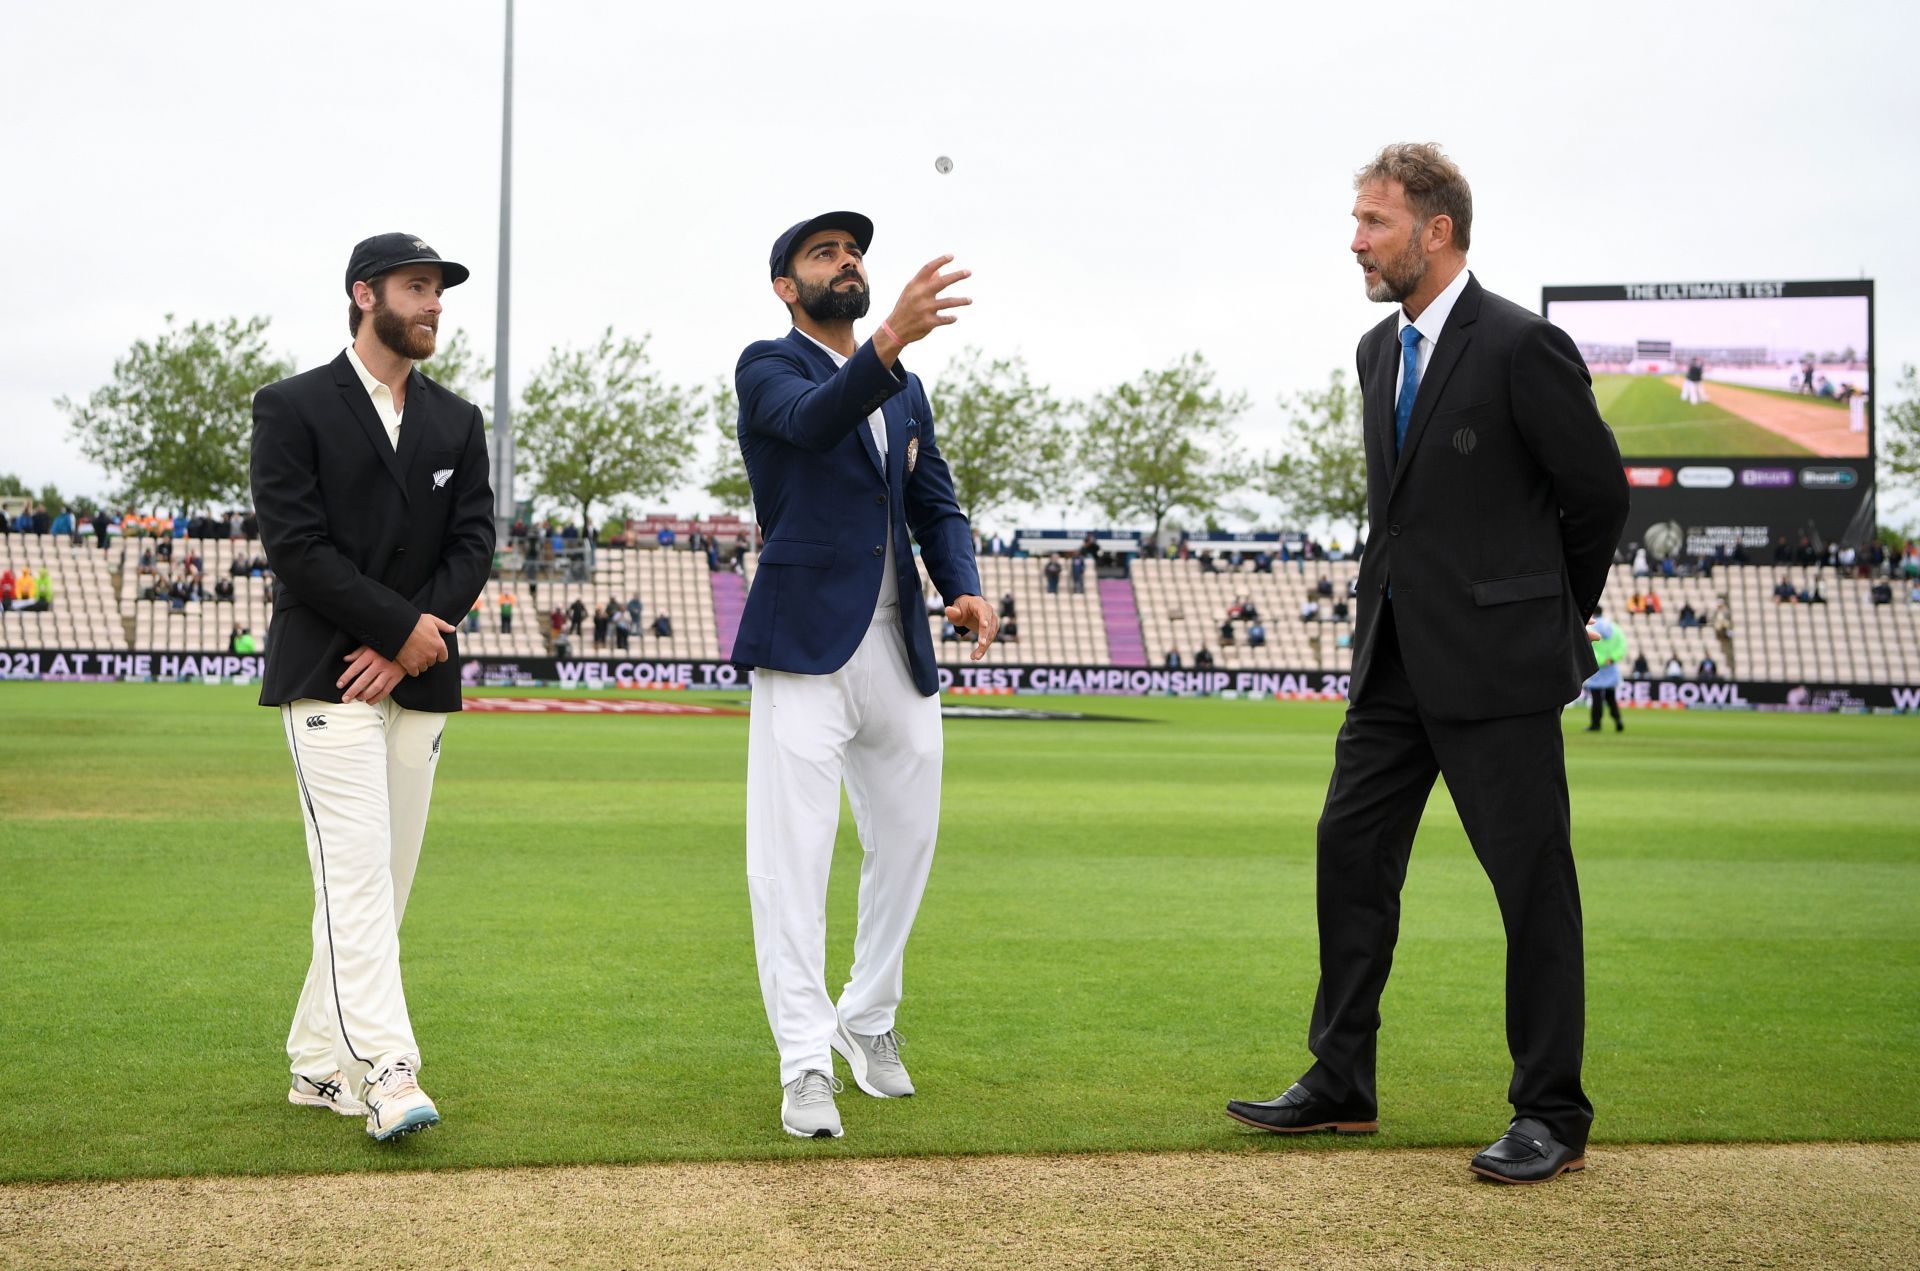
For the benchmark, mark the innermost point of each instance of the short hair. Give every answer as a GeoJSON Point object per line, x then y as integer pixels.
{"type": "Point", "coordinates": [355, 313]}
{"type": "Point", "coordinates": [1434, 185]}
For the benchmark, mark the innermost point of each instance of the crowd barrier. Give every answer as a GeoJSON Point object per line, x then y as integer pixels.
{"type": "Point", "coordinates": [87, 665]}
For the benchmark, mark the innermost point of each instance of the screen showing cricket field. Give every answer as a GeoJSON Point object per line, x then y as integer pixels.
{"type": "Point", "coordinates": [1741, 370]}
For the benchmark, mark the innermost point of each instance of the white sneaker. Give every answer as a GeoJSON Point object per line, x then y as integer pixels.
{"type": "Point", "coordinates": [396, 1104]}
{"type": "Point", "coordinates": [807, 1110]}
{"type": "Point", "coordinates": [328, 1092]}
{"type": "Point", "coordinates": [875, 1061]}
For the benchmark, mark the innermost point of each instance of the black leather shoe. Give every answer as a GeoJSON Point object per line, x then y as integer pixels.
{"type": "Point", "coordinates": [1527, 1153]}
{"type": "Point", "coordinates": [1301, 1111]}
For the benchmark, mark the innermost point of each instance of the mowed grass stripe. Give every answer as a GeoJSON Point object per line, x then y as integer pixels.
{"type": "Point", "coordinates": [1119, 935]}
{"type": "Point", "coordinates": [1649, 419]}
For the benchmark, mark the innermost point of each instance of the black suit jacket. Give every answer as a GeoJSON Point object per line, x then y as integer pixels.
{"type": "Point", "coordinates": [1496, 523]}
{"type": "Point", "coordinates": [363, 539]}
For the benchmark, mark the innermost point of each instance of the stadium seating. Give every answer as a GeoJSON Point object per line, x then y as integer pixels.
{"type": "Point", "coordinates": [84, 613]}
{"type": "Point", "coordinates": [1182, 607]}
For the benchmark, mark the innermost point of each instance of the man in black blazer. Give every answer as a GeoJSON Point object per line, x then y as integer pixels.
{"type": "Point", "coordinates": [370, 483]}
{"type": "Point", "coordinates": [1495, 499]}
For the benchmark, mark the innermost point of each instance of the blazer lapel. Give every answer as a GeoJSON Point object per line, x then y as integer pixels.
{"type": "Point", "coordinates": [1447, 352]}
{"type": "Point", "coordinates": [901, 426]}
{"type": "Point", "coordinates": [1376, 395]}
{"type": "Point", "coordinates": [824, 370]}
{"type": "Point", "coordinates": [415, 422]}
{"type": "Point", "coordinates": [361, 407]}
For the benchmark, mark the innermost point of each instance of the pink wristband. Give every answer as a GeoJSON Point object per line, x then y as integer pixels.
{"type": "Point", "coordinates": [890, 331]}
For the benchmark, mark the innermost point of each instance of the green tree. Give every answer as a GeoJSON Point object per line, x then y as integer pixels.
{"type": "Point", "coordinates": [173, 425]}
{"type": "Point", "coordinates": [727, 477]}
{"type": "Point", "coordinates": [1002, 434]}
{"type": "Point", "coordinates": [1162, 441]}
{"type": "Point", "coordinates": [457, 367]}
{"type": "Point", "coordinates": [11, 484]}
{"type": "Point", "coordinates": [595, 424]}
{"type": "Point", "coordinates": [1899, 436]}
{"type": "Point", "coordinates": [1320, 473]}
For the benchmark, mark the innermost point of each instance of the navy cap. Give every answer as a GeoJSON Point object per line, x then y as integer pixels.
{"type": "Point", "coordinates": [384, 253]}
{"type": "Point", "coordinates": [783, 246]}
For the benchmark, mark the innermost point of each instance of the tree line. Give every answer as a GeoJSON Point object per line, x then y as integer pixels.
{"type": "Point", "coordinates": [598, 426]}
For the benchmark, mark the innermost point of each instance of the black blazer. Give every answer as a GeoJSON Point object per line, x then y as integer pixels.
{"type": "Point", "coordinates": [363, 539]}
{"type": "Point", "coordinates": [1496, 524]}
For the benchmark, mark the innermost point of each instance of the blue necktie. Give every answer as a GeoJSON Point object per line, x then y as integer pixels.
{"type": "Point", "coordinates": [1409, 384]}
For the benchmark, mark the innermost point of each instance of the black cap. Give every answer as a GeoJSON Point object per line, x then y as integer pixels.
{"type": "Point", "coordinates": [783, 246]}
{"type": "Point", "coordinates": [384, 253]}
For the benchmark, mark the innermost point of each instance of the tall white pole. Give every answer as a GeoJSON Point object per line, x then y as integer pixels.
{"type": "Point", "coordinates": [502, 394]}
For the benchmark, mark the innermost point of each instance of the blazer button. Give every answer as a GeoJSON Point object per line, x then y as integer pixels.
{"type": "Point", "coordinates": [879, 500]}
{"type": "Point", "coordinates": [879, 550]}
{"type": "Point", "coordinates": [1394, 530]}
{"type": "Point", "coordinates": [399, 551]}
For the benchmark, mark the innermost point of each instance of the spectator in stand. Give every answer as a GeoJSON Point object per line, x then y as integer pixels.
{"type": "Point", "coordinates": [1708, 669]}
{"type": "Point", "coordinates": [1848, 558]}
{"type": "Point", "coordinates": [7, 589]}
{"type": "Point", "coordinates": [1883, 592]}
{"type": "Point", "coordinates": [473, 617]}
{"type": "Point", "coordinates": [1722, 619]}
{"type": "Point", "coordinates": [1783, 592]}
{"type": "Point", "coordinates": [1335, 551]}
{"type": "Point", "coordinates": [1052, 572]}
{"type": "Point", "coordinates": [1010, 631]}
{"type": "Point", "coordinates": [1340, 611]}
{"type": "Point", "coordinates": [949, 634]}
{"type": "Point", "coordinates": [1324, 587]}
{"type": "Point", "coordinates": [233, 639]}
{"type": "Point", "coordinates": [1089, 546]}
{"type": "Point", "coordinates": [1812, 597]}
{"type": "Point", "coordinates": [663, 625]}
{"type": "Point", "coordinates": [1262, 563]}
{"type": "Point", "coordinates": [713, 556]}
{"type": "Point", "coordinates": [1653, 601]}
{"type": "Point", "coordinates": [1806, 553]}
{"type": "Point", "coordinates": [1203, 659]}
{"type": "Point", "coordinates": [1309, 610]}
{"type": "Point", "coordinates": [42, 521]}
{"type": "Point", "coordinates": [1256, 634]}
{"type": "Point", "coordinates": [23, 584]}
{"type": "Point", "coordinates": [1675, 670]}
{"type": "Point", "coordinates": [223, 589]}
{"type": "Point", "coordinates": [622, 630]}
{"type": "Point", "coordinates": [506, 613]}
{"type": "Point", "coordinates": [1006, 606]}
{"type": "Point", "coordinates": [1206, 563]}
{"type": "Point", "coordinates": [43, 595]}
{"type": "Point", "coordinates": [557, 620]}
{"type": "Point", "coordinates": [1641, 671]}
{"type": "Point", "coordinates": [1248, 610]}
{"type": "Point", "coordinates": [63, 524]}
{"type": "Point", "coordinates": [1226, 635]}
{"type": "Point", "coordinates": [239, 567]}
{"type": "Point", "coordinates": [1782, 554]}
{"type": "Point", "coordinates": [1080, 575]}
{"type": "Point", "coordinates": [602, 623]}
{"type": "Point", "coordinates": [1688, 618]}
{"type": "Point", "coordinates": [665, 537]}
{"type": "Point", "coordinates": [1173, 659]}
{"type": "Point", "coordinates": [1640, 567]}
{"type": "Point", "coordinates": [576, 617]}
{"type": "Point", "coordinates": [101, 523]}
{"type": "Point", "coordinates": [246, 644]}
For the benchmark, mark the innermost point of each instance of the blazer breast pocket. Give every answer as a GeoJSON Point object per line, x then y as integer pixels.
{"type": "Point", "coordinates": [439, 467]}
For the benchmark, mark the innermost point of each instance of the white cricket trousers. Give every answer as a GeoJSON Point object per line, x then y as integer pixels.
{"type": "Point", "coordinates": [365, 776]}
{"type": "Point", "coordinates": [868, 724]}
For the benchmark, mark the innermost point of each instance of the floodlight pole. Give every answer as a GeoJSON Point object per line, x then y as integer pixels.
{"type": "Point", "coordinates": [503, 503]}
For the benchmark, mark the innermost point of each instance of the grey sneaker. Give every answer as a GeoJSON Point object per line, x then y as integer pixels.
{"type": "Point", "coordinates": [875, 1062]}
{"type": "Point", "coordinates": [807, 1110]}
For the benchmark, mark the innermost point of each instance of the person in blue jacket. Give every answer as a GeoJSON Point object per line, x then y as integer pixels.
{"type": "Point", "coordinates": [839, 445]}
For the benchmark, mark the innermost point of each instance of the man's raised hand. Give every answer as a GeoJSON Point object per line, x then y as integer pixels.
{"type": "Point", "coordinates": [921, 307]}
{"type": "Point", "coordinates": [424, 646]}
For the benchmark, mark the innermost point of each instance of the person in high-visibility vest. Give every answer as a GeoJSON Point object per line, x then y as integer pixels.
{"type": "Point", "coordinates": [1610, 651]}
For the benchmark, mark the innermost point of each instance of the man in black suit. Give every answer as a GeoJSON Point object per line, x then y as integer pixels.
{"type": "Point", "coordinates": [370, 483]}
{"type": "Point", "coordinates": [1496, 497]}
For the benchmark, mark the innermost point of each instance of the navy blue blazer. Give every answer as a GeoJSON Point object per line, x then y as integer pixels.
{"type": "Point", "coordinates": [827, 505]}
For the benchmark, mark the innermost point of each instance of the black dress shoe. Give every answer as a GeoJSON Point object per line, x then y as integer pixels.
{"type": "Point", "coordinates": [1301, 1111]}
{"type": "Point", "coordinates": [1527, 1153]}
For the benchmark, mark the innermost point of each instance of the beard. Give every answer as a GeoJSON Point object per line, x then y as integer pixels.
{"type": "Point", "coordinates": [1400, 276]}
{"type": "Point", "coordinates": [399, 334]}
{"type": "Point", "coordinates": [825, 305]}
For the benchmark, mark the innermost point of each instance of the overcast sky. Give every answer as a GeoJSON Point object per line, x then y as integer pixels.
{"type": "Point", "coordinates": [1130, 181]}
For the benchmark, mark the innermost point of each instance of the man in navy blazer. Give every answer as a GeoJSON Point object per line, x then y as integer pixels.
{"type": "Point", "coordinates": [839, 447]}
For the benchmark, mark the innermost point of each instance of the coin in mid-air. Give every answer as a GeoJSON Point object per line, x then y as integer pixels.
{"type": "Point", "coordinates": [943, 165]}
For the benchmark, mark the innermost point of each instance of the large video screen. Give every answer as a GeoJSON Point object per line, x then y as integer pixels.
{"type": "Point", "coordinates": [1727, 370]}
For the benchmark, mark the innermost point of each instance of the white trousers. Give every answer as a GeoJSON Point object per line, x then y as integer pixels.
{"type": "Point", "coordinates": [868, 724]}
{"type": "Point", "coordinates": [1692, 392]}
{"type": "Point", "coordinates": [365, 777]}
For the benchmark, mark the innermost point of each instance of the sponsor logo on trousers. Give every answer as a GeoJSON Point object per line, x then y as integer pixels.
{"type": "Point", "coordinates": [316, 722]}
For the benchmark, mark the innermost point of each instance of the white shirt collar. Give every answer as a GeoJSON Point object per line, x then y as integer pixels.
{"type": "Point", "coordinates": [1434, 317]}
{"type": "Point", "coordinates": [367, 379]}
{"type": "Point", "coordinates": [839, 359]}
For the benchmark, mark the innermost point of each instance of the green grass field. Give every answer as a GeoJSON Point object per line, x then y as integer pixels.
{"type": "Point", "coordinates": [1119, 935]}
{"type": "Point", "coordinates": [1649, 419]}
